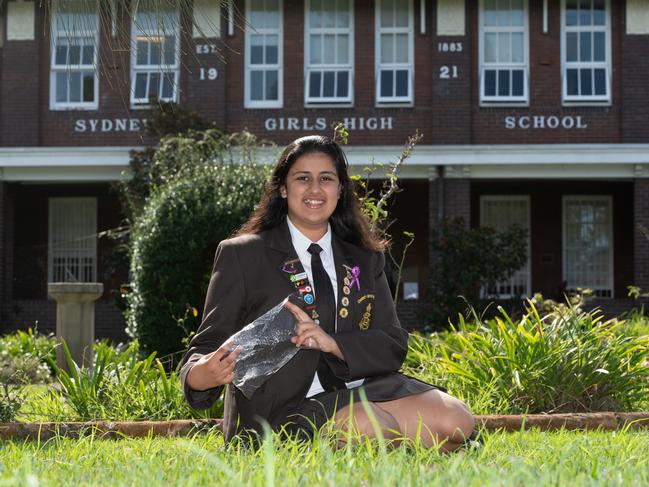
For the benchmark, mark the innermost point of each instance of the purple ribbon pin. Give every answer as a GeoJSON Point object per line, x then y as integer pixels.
{"type": "Point", "coordinates": [288, 268]}
{"type": "Point", "coordinates": [356, 272]}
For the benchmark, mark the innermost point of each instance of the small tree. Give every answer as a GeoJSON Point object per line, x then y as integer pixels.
{"type": "Point", "coordinates": [470, 259]}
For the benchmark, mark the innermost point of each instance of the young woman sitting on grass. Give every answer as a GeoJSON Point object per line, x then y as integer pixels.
{"type": "Point", "coordinates": [309, 235]}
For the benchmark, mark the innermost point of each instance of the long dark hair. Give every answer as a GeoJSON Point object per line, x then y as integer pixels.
{"type": "Point", "coordinates": [347, 220]}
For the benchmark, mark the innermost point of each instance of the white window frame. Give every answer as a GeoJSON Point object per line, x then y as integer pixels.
{"type": "Point", "coordinates": [279, 103]}
{"type": "Point", "coordinates": [162, 69]}
{"type": "Point", "coordinates": [525, 65]}
{"type": "Point", "coordinates": [79, 68]}
{"type": "Point", "coordinates": [569, 100]}
{"type": "Point", "coordinates": [410, 66]}
{"type": "Point", "coordinates": [609, 200]}
{"type": "Point", "coordinates": [528, 265]}
{"type": "Point", "coordinates": [90, 233]}
{"type": "Point", "coordinates": [308, 67]}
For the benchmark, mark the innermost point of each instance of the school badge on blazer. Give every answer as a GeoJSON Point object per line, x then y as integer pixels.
{"type": "Point", "coordinates": [365, 300]}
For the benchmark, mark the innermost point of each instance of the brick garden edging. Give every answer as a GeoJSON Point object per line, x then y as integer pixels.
{"type": "Point", "coordinates": [185, 427]}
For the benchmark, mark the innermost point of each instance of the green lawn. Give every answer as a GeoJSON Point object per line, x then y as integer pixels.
{"type": "Point", "coordinates": [526, 458]}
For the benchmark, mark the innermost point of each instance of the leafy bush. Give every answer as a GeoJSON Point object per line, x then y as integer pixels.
{"type": "Point", "coordinates": [120, 386]}
{"type": "Point", "coordinates": [23, 357]}
{"type": "Point", "coordinates": [176, 235]}
{"type": "Point", "coordinates": [10, 401]}
{"type": "Point", "coordinates": [565, 361]}
{"type": "Point", "coordinates": [468, 260]}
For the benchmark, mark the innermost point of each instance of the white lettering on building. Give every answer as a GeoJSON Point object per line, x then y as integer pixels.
{"type": "Point", "coordinates": [109, 125]}
{"type": "Point", "coordinates": [320, 123]}
{"type": "Point", "coordinates": [526, 122]}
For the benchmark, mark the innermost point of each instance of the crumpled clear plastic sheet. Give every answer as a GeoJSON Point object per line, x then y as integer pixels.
{"type": "Point", "coordinates": [265, 347]}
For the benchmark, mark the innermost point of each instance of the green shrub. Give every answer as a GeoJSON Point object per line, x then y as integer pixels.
{"type": "Point", "coordinates": [468, 260]}
{"type": "Point", "coordinates": [23, 357]}
{"type": "Point", "coordinates": [566, 361]}
{"type": "Point", "coordinates": [176, 235]}
{"type": "Point", "coordinates": [120, 386]}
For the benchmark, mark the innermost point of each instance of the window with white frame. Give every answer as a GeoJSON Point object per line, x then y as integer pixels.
{"type": "Point", "coordinates": [154, 53]}
{"type": "Point", "coordinates": [588, 243]}
{"type": "Point", "coordinates": [501, 213]}
{"type": "Point", "coordinates": [394, 51]}
{"type": "Point", "coordinates": [503, 51]}
{"type": "Point", "coordinates": [586, 52]}
{"type": "Point", "coordinates": [329, 32]}
{"type": "Point", "coordinates": [74, 39]}
{"type": "Point", "coordinates": [72, 255]}
{"type": "Point", "coordinates": [263, 77]}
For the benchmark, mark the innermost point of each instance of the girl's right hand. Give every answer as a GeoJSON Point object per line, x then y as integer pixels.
{"type": "Point", "coordinates": [214, 369]}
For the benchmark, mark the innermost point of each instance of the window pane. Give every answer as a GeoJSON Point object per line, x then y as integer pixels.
{"type": "Point", "coordinates": [314, 84]}
{"type": "Point", "coordinates": [571, 12]}
{"type": "Point", "coordinates": [154, 85]}
{"type": "Point", "coordinates": [585, 48]}
{"type": "Point", "coordinates": [272, 50]}
{"type": "Point", "coordinates": [142, 56]}
{"type": "Point", "coordinates": [329, 14]}
{"type": "Point", "coordinates": [490, 48]}
{"type": "Point", "coordinates": [571, 46]}
{"type": "Point", "coordinates": [387, 15]}
{"type": "Point", "coordinates": [315, 16]}
{"type": "Point", "coordinates": [518, 55]}
{"type": "Point", "coordinates": [402, 82]}
{"type": "Point", "coordinates": [140, 85]}
{"type": "Point", "coordinates": [401, 14]}
{"type": "Point", "coordinates": [156, 51]}
{"type": "Point", "coordinates": [75, 87]}
{"type": "Point", "coordinates": [272, 14]}
{"type": "Point", "coordinates": [168, 87]}
{"type": "Point", "coordinates": [600, 82]}
{"type": "Point", "coordinates": [599, 12]}
{"type": "Point", "coordinates": [329, 49]}
{"type": "Point", "coordinates": [315, 49]}
{"type": "Point", "coordinates": [518, 13]}
{"type": "Point", "coordinates": [256, 85]}
{"type": "Point", "coordinates": [88, 54]}
{"type": "Point", "coordinates": [342, 85]}
{"type": "Point", "coordinates": [272, 92]}
{"type": "Point", "coordinates": [74, 54]}
{"type": "Point", "coordinates": [490, 82]}
{"type": "Point", "coordinates": [387, 89]}
{"type": "Point", "coordinates": [504, 18]}
{"type": "Point", "coordinates": [503, 82]}
{"type": "Point", "coordinates": [61, 87]}
{"type": "Point", "coordinates": [61, 55]}
{"type": "Point", "coordinates": [600, 46]}
{"type": "Point", "coordinates": [329, 83]}
{"type": "Point", "coordinates": [586, 81]}
{"type": "Point", "coordinates": [572, 80]}
{"type": "Point", "coordinates": [342, 19]}
{"type": "Point", "coordinates": [257, 14]}
{"type": "Point", "coordinates": [257, 49]}
{"type": "Point", "coordinates": [504, 55]}
{"type": "Point", "coordinates": [490, 13]}
{"type": "Point", "coordinates": [88, 87]}
{"type": "Point", "coordinates": [401, 55]}
{"type": "Point", "coordinates": [170, 50]}
{"type": "Point", "coordinates": [343, 49]}
{"type": "Point", "coordinates": [387, 48]}
{"type": "Point", "coordinates": [517, 82]}
{"type": "Point", "coordinates": [585, 14]}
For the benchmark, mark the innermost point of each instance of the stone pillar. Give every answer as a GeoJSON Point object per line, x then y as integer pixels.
{"type": "Point", "coordinates": [641, 233]}
{"type": "Point", "coordinates": [75, 319]}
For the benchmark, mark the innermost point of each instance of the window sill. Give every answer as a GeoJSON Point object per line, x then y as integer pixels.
{"type": "Point", "coordinates": [77, 108]}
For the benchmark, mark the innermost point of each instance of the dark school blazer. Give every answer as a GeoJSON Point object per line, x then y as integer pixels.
{"type": "Point", "coordinates": [247, 280]}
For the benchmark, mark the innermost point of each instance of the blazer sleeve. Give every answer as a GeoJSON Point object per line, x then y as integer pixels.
{"type": "Point", "coordinates": [378, 350]}
{"type": "Point", "coordinates": [224, 305]}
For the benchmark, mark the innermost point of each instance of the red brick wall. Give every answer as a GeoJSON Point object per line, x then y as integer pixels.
{"type": "Point", "coordinates": [446, 111]}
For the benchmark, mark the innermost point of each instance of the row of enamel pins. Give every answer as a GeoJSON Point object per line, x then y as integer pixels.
{"type": "Point", "coordinates": [301, 283]}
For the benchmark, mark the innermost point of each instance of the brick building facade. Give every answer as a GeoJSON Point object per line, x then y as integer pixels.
{"type": "Point", "coordinates": [532, 112]}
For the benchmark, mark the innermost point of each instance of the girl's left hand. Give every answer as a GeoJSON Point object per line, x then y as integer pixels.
{"type": "Point", "coordinates": [310, 335]}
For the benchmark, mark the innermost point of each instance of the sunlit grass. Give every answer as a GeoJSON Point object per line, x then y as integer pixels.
{"type": "Point", "coordinates": [526, 458]}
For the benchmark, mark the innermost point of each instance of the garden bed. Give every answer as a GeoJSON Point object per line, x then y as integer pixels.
{"type": "Point", "coordinates": [184, 427]}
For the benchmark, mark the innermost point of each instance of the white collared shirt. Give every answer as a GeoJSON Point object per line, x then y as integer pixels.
{"type": "Point", "coordinates": [301, 245]}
